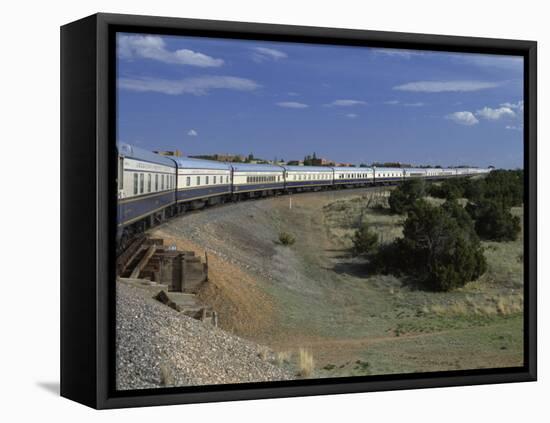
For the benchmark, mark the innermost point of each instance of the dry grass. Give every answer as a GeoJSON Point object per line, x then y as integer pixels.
{"type": "Point", "coordinates": [166, 376]}
{"type": "Point", "coordinates": [282, 357]}
{"type": "Point", "coordinates": [306, 364]}
{"type": "Point", "coordinates": [343, 217]}
{"type": "Point", "coordinates": [509, 305]}
{"type": "Point", "coordinates": [264, 353]}
{"type": "Point", "coordinates": [503, 305]}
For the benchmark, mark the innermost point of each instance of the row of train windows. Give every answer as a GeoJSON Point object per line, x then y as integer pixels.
{"type": "Point", "coordinates": [261, 179]}
{"type": "Point", "coordinates": [310, 177]}
{"type": "Point", "coordinates": [216, 179]}
{"type": "Point", "coordinates": [353, 176]}
{"type": "Point", "coordinates": [161, 182]}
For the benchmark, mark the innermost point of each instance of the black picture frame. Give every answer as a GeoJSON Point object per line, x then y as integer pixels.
{"type": "Point", "coordinates": [88, 209]}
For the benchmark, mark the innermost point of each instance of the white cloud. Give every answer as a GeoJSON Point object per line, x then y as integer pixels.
{"type": "Point", "coordinates": [197, 85]}
{"type": "Point", "coordinates": [445, 86]}
{"type": "Point", "coordinates": [346, 103]}
{"type": "Point", "coordinates": [515, 127]}
{"type": "Point", "coordinates": [495, 114]}
{"type": "Point", "coordinates": [192, 133]}
{"type": "Point", "coordinates": [514, 63]}
{"type": "Point", "coordinates": [417, 104]}
{"type": "Point", "coordinates": [264, 53]}
{"type": "Point", "coordinates": [392, 102]}
{"type": "Point", "coordinates": [463, 118]}
{"type": "Point", "coordinates": [292, 105]}
{"type": "Point", "coordinates": [394, 52]}
{"type": "Point", "coordinates": [153, 47]}
{"type": "Point", "coordinates": [352, 115]}
{"type": "Point", "coordinates": [516, 106]}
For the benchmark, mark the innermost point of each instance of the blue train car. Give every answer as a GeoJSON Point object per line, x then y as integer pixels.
{"type": "Point", "coordinates": [413, 172]}
{"type": "Point", "coordinates": [349, 176]}
{"type": "Point", "coordinates": [388, 174]}
{"type": "Point", "coordinates": [146, 184]}
{"type": "Point", "coordinates": [308, 176]}
{"type": "Point", "coordinates": [249, 178]}
{"type": "Point", "coordinates": [202, 180]}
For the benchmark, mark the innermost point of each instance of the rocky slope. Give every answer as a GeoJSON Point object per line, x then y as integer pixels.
{"type": "Point", "coordinates": [158, 347]}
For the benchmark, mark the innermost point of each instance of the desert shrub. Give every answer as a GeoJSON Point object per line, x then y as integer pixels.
{"type": "Point", "coordinates": [505, 187]}
{"type": "Point", "coordinates": [439, 250]}
{"type": "Point", "coordinates": [364, 240]}
{"type": "Point", "coordinates": [450, 189]}
{"type": "Point", "coordinates": [493, 221]}
{"type": "Point", "coordinates": [455, 211]}
{"type": "Point", "coordinates": [389, 259]}
{"type": "Point", "coordinates": [475, 189]}
{"type": "Point", "coordinates": [286, 238]}
{"type": "Point", "coordinates": [403, 197]}
{"type": "Point", "coordinates": [443, 251]}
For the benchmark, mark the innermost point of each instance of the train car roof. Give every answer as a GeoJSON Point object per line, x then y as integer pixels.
{"type": "Point", "coordinates": [249, 167]}
{"type": "Point", "coordinates": [349, 168]}
{"type": "Point", "coordinates": [191, 163]}
{"type": "Point", "coordinates": [416, 169]}
{"type": "Point", "coordinates": [308, 168]}
{"type": "Point", "coordinates": [390, 169]}
{"type": "Point", "coordinates": [133, 152]}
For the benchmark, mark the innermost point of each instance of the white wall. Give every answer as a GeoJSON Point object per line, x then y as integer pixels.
{"type": "Point", "coordinates": [30, 132]}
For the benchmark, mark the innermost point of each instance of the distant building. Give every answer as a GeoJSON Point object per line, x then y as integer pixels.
{"type": "Point", "coordinates": [175, 153]}
{"type": "Point", "coordinates": [295, 163]}
{"type": "Point", "coordinates": [345, 164]}
{"type": "Point", "coordinates": [321, 162]}
{"type": "Point", "coordinates": [221, 157]}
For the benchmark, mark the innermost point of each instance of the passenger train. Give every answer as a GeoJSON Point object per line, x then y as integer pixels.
{"type": "Point", "coordinates": [152, 187]}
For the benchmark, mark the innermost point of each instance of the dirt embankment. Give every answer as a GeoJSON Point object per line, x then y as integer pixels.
{"type": "Point", "coordinates": [314, 295]}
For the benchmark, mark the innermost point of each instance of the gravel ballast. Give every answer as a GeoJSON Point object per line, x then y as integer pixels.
{"type": "Point", "coordinates": [158, 347]}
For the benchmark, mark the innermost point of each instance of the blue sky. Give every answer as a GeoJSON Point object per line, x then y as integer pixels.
{"type": "Point", "coordinates": [349, 104]}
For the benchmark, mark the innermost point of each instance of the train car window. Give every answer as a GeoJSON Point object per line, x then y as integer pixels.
{"type": "Point", "coordinates": [214, 177]}
{"type": "Point", "coordinates": [162, 182]}
{"type": "Point", "coordinates": [198, 180]}
{"type": "Point", "coordinates": [135, 183]}
{"type": "Point", "coordinates": [149, 182]}
{"type": "Point", "coordinates": [188, 181]}
{"type": "Point", "coordinates": [207, 180]}
{"type": "Point", "coordinates": [156, 182]}
{"type": "Point", "coordinates": [141, 182]}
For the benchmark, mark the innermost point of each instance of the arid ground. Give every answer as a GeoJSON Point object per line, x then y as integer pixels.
{"type": "Point", "coordinates": [315, 296]}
